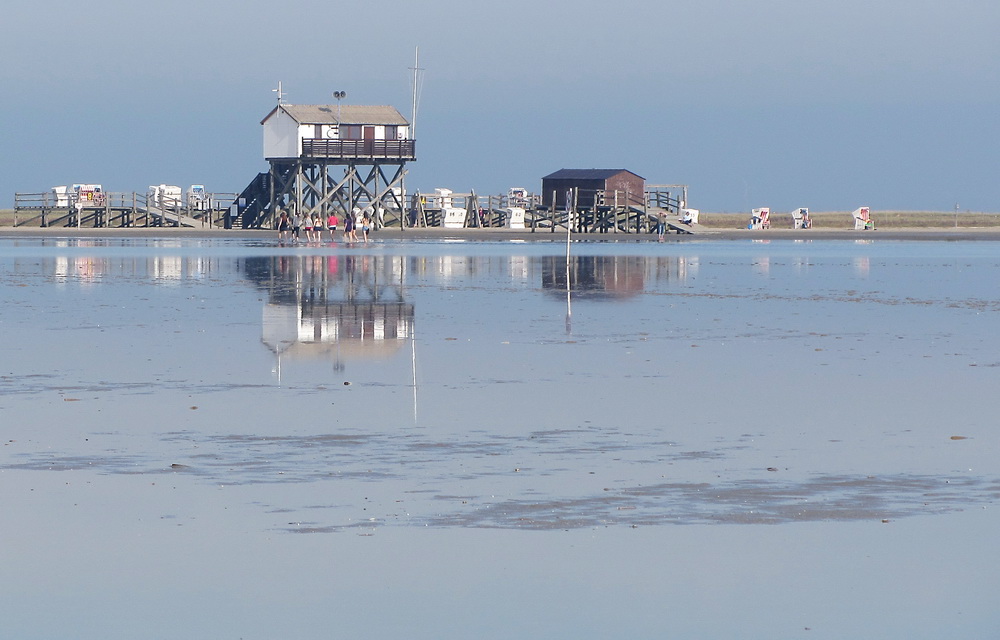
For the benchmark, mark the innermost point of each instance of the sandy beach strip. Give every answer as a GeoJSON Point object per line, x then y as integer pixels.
{"type": "Point", "coordinates": [502, 235]}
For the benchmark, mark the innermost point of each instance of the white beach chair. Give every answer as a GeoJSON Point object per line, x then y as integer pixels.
{"type": "Point", "coordinates": [689, 216]}
{"type": "Point", "coordinates": [800, 218]}
{"type": "Point", "coordinates": [863, 219]}
{"type": "Point", "coordinates": [760, 218]}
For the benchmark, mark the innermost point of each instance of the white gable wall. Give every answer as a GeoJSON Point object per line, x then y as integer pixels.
{"type": "Point", "coordinates": [281, 139]}
{"type": "Point", "coordinates": [283, 135]}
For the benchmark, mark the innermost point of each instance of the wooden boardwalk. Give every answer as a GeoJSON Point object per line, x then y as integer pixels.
{"type": "Point", "coordinates": [118, 210]}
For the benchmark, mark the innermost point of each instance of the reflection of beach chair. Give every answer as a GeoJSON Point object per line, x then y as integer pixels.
{"type": "Point", "coordinates": [863, 219]}
{"type": "Point", "coordinates": [760, 218]}
{"type": "Point", "coordinates": [800, 218]}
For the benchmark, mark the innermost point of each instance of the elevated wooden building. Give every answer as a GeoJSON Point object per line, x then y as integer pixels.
{"type": "Point", "coordinates": [327, 158]}
{"type": "Point", "coordinates": [588, 189]}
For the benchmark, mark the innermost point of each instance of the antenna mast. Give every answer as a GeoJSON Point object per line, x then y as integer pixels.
{"type": "Point", "coordinates": [416, 74]}
{"type": "Point", "coordinates": [281, 94]}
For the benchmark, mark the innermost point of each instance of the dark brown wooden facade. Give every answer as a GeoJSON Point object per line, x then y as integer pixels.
{"type": "Point", "coordinates": [593, 188]}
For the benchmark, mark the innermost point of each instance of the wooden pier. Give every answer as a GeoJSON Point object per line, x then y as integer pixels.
{"type": "Point", "coordinates": [123, 210]}
{"type": "Point", "coordinates": [451, 210]}
{"type": "Point", "coordinates": [605, 212]}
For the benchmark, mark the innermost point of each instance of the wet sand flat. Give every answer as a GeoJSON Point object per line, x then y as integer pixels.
{"type": "Point", "coordinates": [721, 438]}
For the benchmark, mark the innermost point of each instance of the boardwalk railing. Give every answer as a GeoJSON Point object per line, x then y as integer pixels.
{"type": "Point", "coordinates": [359, 149]}
{"type": "Point", "coordinates": [249, 209]}
{"type": "Point", "coordinates": [47, 209]}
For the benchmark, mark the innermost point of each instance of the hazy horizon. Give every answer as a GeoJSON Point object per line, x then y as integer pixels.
{"type": "Point", "coordinates": [773, 103]}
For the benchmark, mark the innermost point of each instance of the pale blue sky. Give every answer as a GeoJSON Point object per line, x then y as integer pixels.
{"type": "Point", "coordinates": [779, 103]}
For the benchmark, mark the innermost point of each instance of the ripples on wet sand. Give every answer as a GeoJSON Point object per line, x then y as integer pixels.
{"type": "Point", "coordinates": [192, 402]}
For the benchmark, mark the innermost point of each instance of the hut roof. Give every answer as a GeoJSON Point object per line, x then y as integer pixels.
{"type": "Point", "coordinates": [587, 174]}
{"type": "Point", "coordinates": [349, 114]}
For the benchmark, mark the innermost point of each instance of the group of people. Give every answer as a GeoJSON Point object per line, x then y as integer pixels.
{"type": "Point", "coordinates": [296, 226]}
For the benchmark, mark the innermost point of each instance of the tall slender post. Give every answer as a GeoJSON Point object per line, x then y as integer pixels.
{"type": "Point", "coordinates": [416, 81]}
{"type": "Point", "coordinates": [552, 213]}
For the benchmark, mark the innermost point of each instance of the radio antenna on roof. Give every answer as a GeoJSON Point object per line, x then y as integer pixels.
{"type": "Point", "coordinates": [278, 91]}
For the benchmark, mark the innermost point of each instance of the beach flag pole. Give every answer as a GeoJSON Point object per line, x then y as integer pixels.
{"type": "Point", "coordinates": [569, 301]}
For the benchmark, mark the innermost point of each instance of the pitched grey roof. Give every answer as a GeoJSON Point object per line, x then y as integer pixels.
{"type": "Point", "coordinates": [586, 174]}
{"type": "Point", "coordinates": [349, 114]}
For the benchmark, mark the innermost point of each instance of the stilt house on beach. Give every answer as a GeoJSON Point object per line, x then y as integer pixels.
{"type": "Point", "coordinates": [336, 132]}
{"type": "Point", "coordinates": [327, 158]}
{"type": "Point", "coordinates": [593, 188]}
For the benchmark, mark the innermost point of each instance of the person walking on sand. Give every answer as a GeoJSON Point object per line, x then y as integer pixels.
{"type": "Point", "coordinates": [296, 226]}
{"type": "Point", "coordinates": [348, 226]}
{"type": "Point", "coordinates": [366, 224]}
{"type": "Point", "coordinates": [331, 224]}
{"type": "Point", "coordinates": [307, 224]}
{"type": "Point", "coordinates": [661, 226]}
{"type": "Point", "coordinates": [283, 226]}
{"type": "Point", "coordinates": [355, 221]}
{"type": "Point", "coordinates": [317, 227]}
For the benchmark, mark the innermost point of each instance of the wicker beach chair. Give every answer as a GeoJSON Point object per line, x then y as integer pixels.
{"type": "Point", "coordinates": [760, 218]}
{"type": "Point", "coordinates": [800, 218]}
{"type": "Point", "coordinates": [863, 219]}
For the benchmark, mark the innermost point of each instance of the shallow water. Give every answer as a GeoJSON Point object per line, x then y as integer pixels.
{"type": "Point", "coordinates": [438, 439]}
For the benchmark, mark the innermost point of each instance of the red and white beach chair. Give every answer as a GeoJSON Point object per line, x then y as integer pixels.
{"type": "Point", "coordinates": [760, 218]}
{"type": "Point", "coordinates": [863, 219]}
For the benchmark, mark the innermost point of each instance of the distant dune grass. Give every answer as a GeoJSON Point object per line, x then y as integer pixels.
{"type": "Point", "coordinates": [821, 220]}
{"type": "Point", "coordinates": [844, 220]}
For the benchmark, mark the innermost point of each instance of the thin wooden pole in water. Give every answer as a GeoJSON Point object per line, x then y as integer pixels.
{"type": "Point", "coordinates": [569, 302]}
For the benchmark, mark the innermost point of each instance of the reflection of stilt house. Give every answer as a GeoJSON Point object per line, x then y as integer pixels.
{"type": "Point", "coordinates": [330, 158]}
{"type": "Point", "coordinates": [331, 307]}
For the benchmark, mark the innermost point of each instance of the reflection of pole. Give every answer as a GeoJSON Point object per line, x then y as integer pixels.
{"type": "Point", "coordinates": [413, 337]}
{"type": "Point", "coordinates": [569, 307]}
{"type": "Point", "coordinates": [413, 367]}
